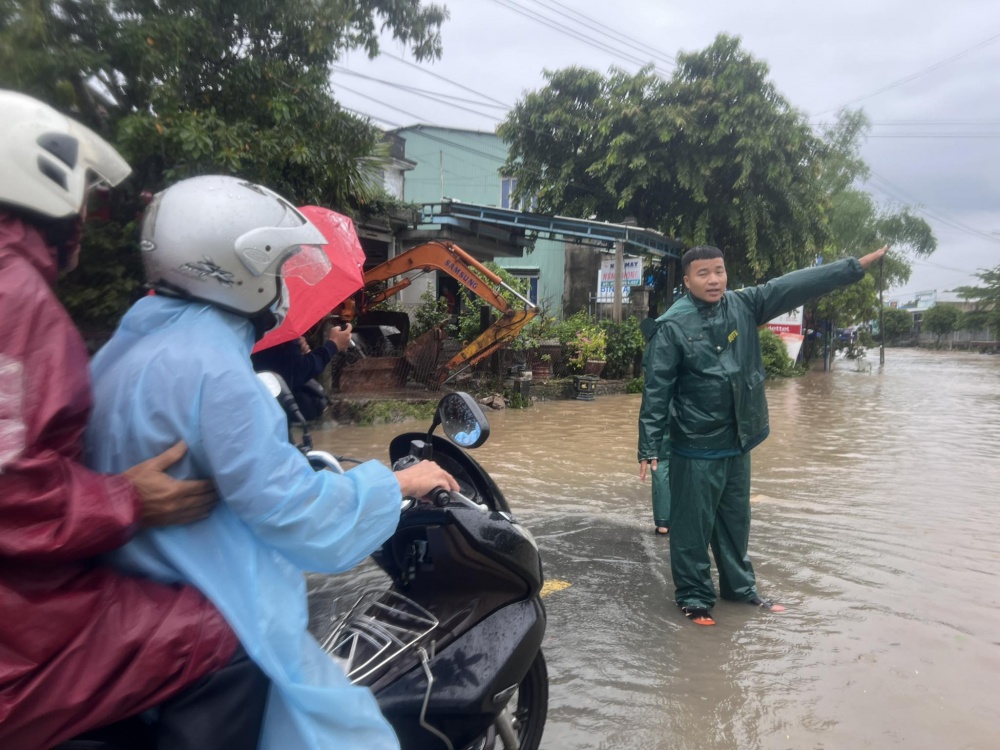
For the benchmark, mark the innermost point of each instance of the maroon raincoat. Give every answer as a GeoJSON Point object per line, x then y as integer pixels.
{"type": "Point", "coordinates": [80, 644]}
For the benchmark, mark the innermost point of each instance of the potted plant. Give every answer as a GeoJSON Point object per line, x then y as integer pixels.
{"type": "Point", "coordinates": [542, 368]}
{"type": "Point", "coordinates": [587, 351]}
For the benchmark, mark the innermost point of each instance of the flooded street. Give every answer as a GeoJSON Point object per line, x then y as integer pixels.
{"type": "Point", "coordinates": [876, 505]}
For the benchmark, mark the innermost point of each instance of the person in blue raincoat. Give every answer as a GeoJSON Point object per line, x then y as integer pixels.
{"type": "Point", "coordinates": [178, 368]}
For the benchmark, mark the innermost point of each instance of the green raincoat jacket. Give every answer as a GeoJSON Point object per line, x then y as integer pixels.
{"type": "Point", "coordinates": [704, 368]}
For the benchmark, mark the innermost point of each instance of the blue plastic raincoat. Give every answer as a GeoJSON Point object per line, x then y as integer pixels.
{"type": "Point", "coordinates": [180, 370]}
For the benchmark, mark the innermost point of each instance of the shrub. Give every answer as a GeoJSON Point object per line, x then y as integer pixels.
{"type": "Point", "coordinates": [777, 363]}
{"type": "Point", "coordinates": [625, 345]}
{"type": "Point", "coordinates": [432, 311]}
{"type": "Point", "coordinates": [581, 339]}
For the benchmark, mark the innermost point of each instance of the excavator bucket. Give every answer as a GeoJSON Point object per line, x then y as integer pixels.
{"type": "Point", "coordinates": [492, 339]}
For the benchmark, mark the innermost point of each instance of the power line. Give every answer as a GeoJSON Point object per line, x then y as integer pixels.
{"type": "Point", "coordinates": [586, 39]}
{"type": "Point", "coordinates": [919, 73]}
{"type": "Point", "coordinates": [425, 134]}
{"type": "Point", "coordinates": [938, 265]}
{"type": "Point", "coordinates": [603, 28]}
{"type": "Point", "coordinates": [492, 118]}
{"type": "Point", "coordinates": [418, 118]}
{"type": "Point", "coordinates": [446, 80]}
{"type": "Point", "coordinates": [414, 90]}
{"type": "Point", "coordinates": [934, 135]}
{"type": "Point", "coordinates": [894, 191]}
{"type": "Point", "coordinates": [918, 123]}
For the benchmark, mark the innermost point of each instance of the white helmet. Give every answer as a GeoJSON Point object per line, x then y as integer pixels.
{"type": "Point", "coordinates": [226, 241]}
{"type": "Point", "coordinates": [47, 161]}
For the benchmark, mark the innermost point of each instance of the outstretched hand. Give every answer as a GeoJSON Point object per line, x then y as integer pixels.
{"type": "Point", "coordinates": [167, 501]}
{"type": "Point", "coordinates": [642, 468]}
{"type": "Point", "coordinates": [867, 260]}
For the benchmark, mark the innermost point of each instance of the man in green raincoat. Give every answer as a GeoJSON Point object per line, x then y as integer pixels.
{"type": "Point", "coordinates": [704, 398]}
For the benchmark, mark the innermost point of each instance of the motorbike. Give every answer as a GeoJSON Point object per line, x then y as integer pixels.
{"type": "Point", "coordinates": [452, 648]}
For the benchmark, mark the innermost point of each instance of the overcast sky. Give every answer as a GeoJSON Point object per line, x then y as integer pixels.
{"type": "Point", "coordinates": [925, 71]}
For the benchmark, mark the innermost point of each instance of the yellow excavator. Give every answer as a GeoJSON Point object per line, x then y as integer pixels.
{"type": "Point", "coordinates": [470, 273]}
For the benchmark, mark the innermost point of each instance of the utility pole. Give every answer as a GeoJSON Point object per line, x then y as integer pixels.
{"type": "Point", "coordinates": [616, 307]}
{"type": "Point", "coordinates": [881, 316]}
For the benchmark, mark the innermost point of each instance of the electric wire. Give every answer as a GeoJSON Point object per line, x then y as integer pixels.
{"type": "Point", "coordinates": [603, 28]}
{"type": "Point", "coordinates": [986, 42]}
{"type": "Point", "coordinates": [938, 265]}
{"type": "Point", "coordinates": [403, 60]}
{"type": "Point", "coordinates": [897, 193]}
{"type": "Point", "coordinates": [579, 36]}
{"type": "Point", "coordinates": [423, 133]}
{"type": "Point", "coordinates": [341, 87]}
{"type": "Point", "coordinates": [952, 136]}
{"type": "Point", "coordinates": [414, 90]}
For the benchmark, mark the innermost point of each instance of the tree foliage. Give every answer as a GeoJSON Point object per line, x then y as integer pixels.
{"type": "Point", "coordinates": [940, 319]}
{"type": "Point", "coordinates": [746, 167]}
{"type": "Point", "coordinates": [587, 145]}
{"type": "Point", "coordinates": [857, 225]}
{"type": "Point", "coordinates": [898, 323]}
{"type": "Point", "coordinates": [987, 294]}
{"type": "Point", "coordinates": [713, 155]}
{"type": "Point", "coordinates": [188, 87]}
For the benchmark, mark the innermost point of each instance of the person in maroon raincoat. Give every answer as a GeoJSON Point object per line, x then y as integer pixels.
{"type": "Point", "coordinates": [81, 645]}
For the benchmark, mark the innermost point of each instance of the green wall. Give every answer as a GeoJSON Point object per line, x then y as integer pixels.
{"type": "Point", "coordinates": [464, 165]}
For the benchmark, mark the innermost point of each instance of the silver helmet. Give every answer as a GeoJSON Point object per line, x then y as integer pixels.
{"type": "Point", "coordinates": [228, 242]}
{"type": "Point", "coordinates": [48, 162]}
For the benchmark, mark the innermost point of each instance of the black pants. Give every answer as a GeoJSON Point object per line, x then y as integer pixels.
{"type": "Point", "coordinates": [222, 711]}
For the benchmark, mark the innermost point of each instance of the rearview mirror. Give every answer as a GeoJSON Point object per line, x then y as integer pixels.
{"type": "Point", "coordinates": [463, 420]}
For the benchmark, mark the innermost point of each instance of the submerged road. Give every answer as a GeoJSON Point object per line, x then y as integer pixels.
{"type": "Point", "coordinates": [876, 506]}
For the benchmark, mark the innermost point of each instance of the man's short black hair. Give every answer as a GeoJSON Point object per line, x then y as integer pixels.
{"type": "Point", "coordinates": [701, 252]}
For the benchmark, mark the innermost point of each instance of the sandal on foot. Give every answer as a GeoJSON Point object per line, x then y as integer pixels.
{"type": "Point", "coordinates": [698, 615]}
{"type": "Point", "coordinates": [765, 604]}
{"type": "Point", "coordinates": [661, 530]}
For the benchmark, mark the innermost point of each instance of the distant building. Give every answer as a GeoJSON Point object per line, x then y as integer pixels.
{"type": "Point", "coordinates": [921, 302]}
{"type": "Point", "coordinates": [464, 165]}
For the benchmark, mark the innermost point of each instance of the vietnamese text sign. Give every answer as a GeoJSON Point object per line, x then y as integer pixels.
{"type": "Point", "coordinates": [790, 322]}
{"type": "Point", "coordinates": [631, 276]}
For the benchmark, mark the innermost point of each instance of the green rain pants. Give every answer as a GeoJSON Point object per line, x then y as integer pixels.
{"type": "Point", "coordinates": [711, 507]}
{"type": "Point", "coordinates": [660, 480]}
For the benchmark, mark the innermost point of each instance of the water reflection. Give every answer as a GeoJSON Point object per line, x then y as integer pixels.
{"type": "Point", "coordinates": [875, 509]}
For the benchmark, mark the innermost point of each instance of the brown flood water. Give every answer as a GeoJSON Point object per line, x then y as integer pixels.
{"type": "Point", "coordinates": [876, 506]}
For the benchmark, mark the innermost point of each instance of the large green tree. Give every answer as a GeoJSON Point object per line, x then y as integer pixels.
{"type": "Point", "coordinates": [185, 87]}
{"type": "Point", "coordinates": [747, 165]}
{"type": "Point", "coordinates": [587, 145]}
{"type": "Point", "coordinates": [713, 155]}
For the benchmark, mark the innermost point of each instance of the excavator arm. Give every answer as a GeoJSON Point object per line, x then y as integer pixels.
{"type": "Point", "coordinates": [470, 273]}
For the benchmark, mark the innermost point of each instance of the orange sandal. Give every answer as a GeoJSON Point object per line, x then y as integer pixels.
{"type": "Point", "coordinates": [698, 615]}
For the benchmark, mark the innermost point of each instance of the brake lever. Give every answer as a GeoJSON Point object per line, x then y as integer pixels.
{"type": "Point", "coordinates": [441, 497]}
